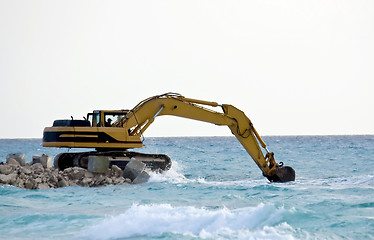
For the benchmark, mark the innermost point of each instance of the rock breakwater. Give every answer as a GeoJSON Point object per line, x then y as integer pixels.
{"type": "Point", "coordinates": [35, 175]}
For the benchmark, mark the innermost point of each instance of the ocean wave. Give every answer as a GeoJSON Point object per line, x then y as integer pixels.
{"type": "Point", "coordinates": [358, 181]}
{"type": "Point", "coordinates": [263, 221]}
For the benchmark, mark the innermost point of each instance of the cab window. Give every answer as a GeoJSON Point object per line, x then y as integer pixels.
{"type": "Point", "coordinates": [94, 118]}
{"type": "Point", "coordinates": [111, 119]}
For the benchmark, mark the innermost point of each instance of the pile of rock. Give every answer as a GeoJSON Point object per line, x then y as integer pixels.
{"type": "Point", "coordinates": [39, 175]}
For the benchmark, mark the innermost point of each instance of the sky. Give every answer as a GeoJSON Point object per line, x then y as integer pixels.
{"type": "Point", "coordinates": [294, 67]}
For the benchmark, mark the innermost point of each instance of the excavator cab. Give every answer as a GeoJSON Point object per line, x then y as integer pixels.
{"type": "Point", "coordinates": [101, 118]}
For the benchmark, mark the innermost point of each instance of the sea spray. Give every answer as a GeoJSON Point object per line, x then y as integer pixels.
{"type": "Point", "coordinates": [264, 220]}
{"type": "Point", "coordinates": [174, 174]}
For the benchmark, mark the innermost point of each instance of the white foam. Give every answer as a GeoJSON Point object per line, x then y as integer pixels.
{"type": "Point", "coordinates": [263, 221]}
{"type": "Point", "coordinates": [173, 175]}
{"type": "Point", "coordinates": [249, 183]}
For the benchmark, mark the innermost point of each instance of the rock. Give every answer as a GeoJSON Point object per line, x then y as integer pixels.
{"type": "Point", "coordinates": [53, 178]}
{"type": "Point", "coordinates": [86, 181]}
{"type": "Point", "coordinates": [116, 171]}
{"type": "Point", "coordinates": [109, 181]}
{"type": "Point", "coordinates": [67, 172]}
{"type": "Point", "coordinates": [141, 178]}
{"type": "Point", "coordinates": [45, 160]}
{"type": "Point", "coordinates": [72, 183]}
{"type": "Point", "coordinates": [38, 180]}
{"type": "Point", "coordinates": [22, 176]}
{"type": "Point", "coordinates": [19, 183]}
{"type": "Point", "coordinates": [37, 168]}
{"type": "Point", "coordinates": [98, 180]}
{"type": "Point", "coordinates": [6, 179]}
{"type": "Point", "coordinates": [118, 181]}
{"type": "Point", "coordinates": [62, 183]}
{"type": "Point", "coordinates": [75, 173]}
{"type": "Point", "coordinates": [43, 186]}
{"type": "Point", "coordinates": [29, 184]}
{"type": "Point", "coordinates": [88, 175]}
{"type": "Point", "coordinates": [79, 173]}
{"type": "Point", "coordinates": [98, 164]}
{"type": "Point", "coordinates": [6, 169]}
{"type": "Point", "coordinates": [133, 169]}
{"type": "Point", "coordinates": [12, 161]}
{"type": "Point", "coordinates": [19, 157]}
{"type": "Point", "coordinates": [36, 176]}
{"type": "Point", "coordinates": [26, 170]}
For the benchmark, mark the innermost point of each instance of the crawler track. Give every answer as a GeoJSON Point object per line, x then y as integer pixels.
{"type": "Point", "coordinates": [156, 162]}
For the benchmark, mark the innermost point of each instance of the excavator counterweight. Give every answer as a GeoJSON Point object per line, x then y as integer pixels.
{"type": "Point", "coordinates": [113, 132]}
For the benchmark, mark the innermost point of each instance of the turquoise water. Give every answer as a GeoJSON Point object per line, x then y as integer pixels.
{"type": "Point", "coordinates": [213, 191]}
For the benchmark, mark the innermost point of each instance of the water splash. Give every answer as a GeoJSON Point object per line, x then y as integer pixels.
{"type": "Point", "coordinates": [262, 221]}
{"type": "Point", "coordinates": [173, 175]}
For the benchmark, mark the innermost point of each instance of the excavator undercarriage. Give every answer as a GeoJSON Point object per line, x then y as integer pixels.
{"type": "Point", "coordinates": [113, 132]}
{"type": "Point", "coordinates": [155, 162]}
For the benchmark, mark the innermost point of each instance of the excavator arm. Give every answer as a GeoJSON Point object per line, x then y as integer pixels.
{"type": "Point", "coordinates": [137, 120]}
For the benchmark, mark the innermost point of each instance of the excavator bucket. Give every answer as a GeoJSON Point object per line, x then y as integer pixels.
{"type": "Point", "coordinates": [282, 174]}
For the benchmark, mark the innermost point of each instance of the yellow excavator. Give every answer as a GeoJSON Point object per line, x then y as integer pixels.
{"type": "Point", "coordinates": [112, 133]}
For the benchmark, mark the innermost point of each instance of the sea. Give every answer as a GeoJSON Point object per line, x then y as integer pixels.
{"type": "Point", "coordinates": [213, 190]}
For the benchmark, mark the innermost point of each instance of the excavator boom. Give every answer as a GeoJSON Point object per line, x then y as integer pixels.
{"type": "Point", "coordinates": [127, 130]}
